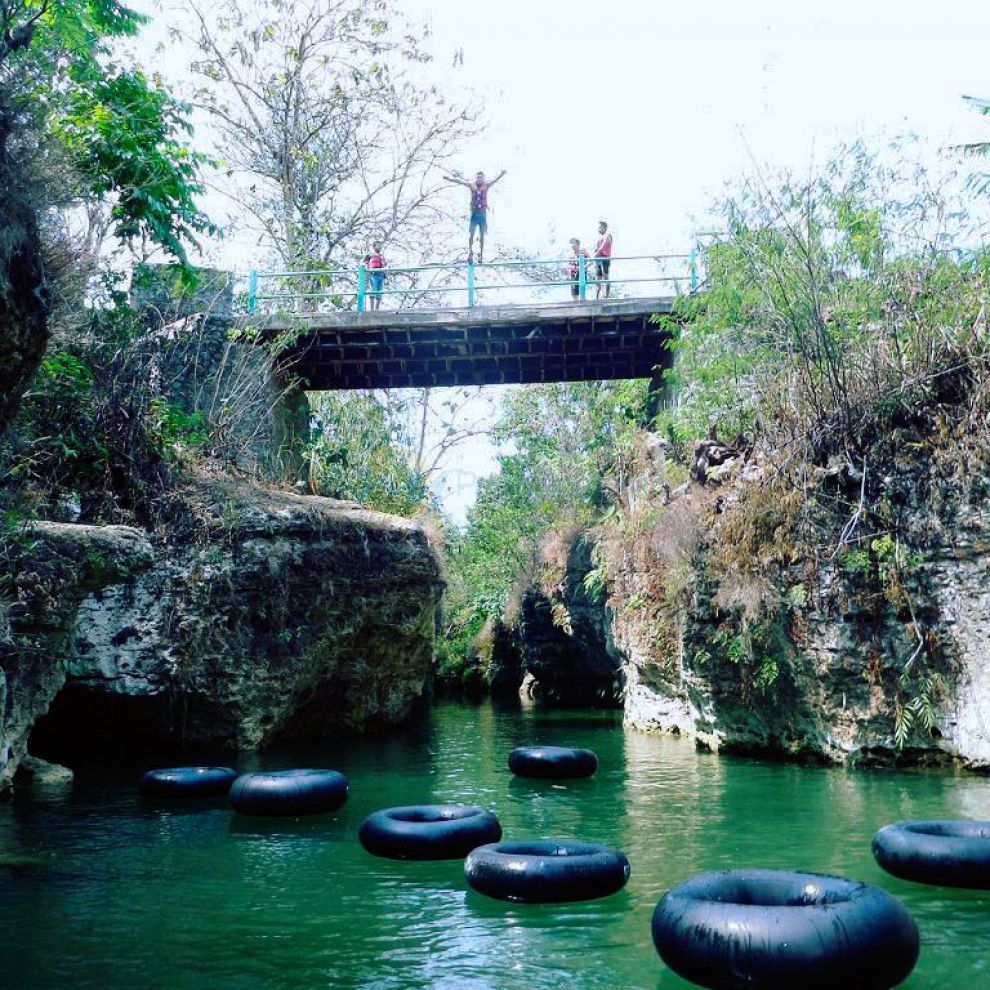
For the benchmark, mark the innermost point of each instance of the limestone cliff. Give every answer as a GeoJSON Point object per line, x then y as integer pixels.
{"type": "Point", "coordinates": [251, 616]}
{"type": "Point", "coordinates": [50, 569]}
{"type": "Point", "coordinates": [730, 624]}
{"type": "Point", "coordinates": [562, 628]}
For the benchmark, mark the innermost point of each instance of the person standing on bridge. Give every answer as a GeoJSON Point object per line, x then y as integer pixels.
{"type": "Point", "coordinates": [603, 260]}
{"type": "Point", "coordinates": [479, 210]}
{"type": "Point", "coordinates": [376, 269]}
{"type": "Point", "coordinates": [574, 266]}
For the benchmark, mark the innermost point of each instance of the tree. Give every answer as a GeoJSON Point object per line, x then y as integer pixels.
{"type": "Point", "coordinates": [820, 300]}
{"type": "Point", "coordinates": [560, 445]}
{"type": "Point", "coordinates": [360, 453]}
{"type": "Point", "coordinates": [331, 140]}
{"type": "Point", "coordinates": [328, 138]}
{"type": "Point", "coordinates": [979, 181]}
{"type": "Point", "coordinates": [78, 127]}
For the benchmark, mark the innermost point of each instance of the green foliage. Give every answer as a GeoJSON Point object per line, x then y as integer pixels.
{"type": "Point", "coordinates": [96, 562]}
{"type": "Point", "coordinates": [916, 709]}
{"type": "Point", "coordinates": [111, 134]}
{"type": "Point", "coordinates": [86, 434]}
{"type": "Point", "coordinates": [761, 650]}
{"type": "Point", "coordinates": [561, 445]}
{"type": "Point", "coordinates": [65, 446]}
{"type": "Point", "coordinates": [457, 666]}
{"type": "Point", "coordinates": [360, 453]}
{"type": "Point", "coordinates": [125, 135]}
{"type": "Point", "coordinates": [827, 308]}
{"type": "Point", "coordinates": [564, 449]}
{"type": "Point", "coordinates": [979, 182]}
{"type": "Point", "coordinates": [596, 582]}
{"type": "Point", "coordinates": [857, 562]}
{"type": "Point", "coordinates": [175, 430]}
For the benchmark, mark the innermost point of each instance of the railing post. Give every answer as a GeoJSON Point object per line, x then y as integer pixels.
{"type": "Point", "coordinates": [470, 283]}
{"type": "Point", "coordinates": [252, 290]}
{"type": "Point", "coordinates": [362, 291]}
{"type": "Point", "coordinates": [582, 277]}
{"type": "Point", "coordinates": [693, 269]}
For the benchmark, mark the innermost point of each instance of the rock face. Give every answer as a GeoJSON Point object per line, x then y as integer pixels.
{"type": "Point", "coordinates": [51, 568]}
{"type": "Point", "coordinates": [725, 630]}
{"type": "Point", "coordinates": [505, 661]}
{"type": "Point", "coordinates": [192, 357]}
{"type": "Point", "coordinates": [871, 654]}
{"type": "Point", "coordinates": [562, 627]}
{"type": "Point", "coordinates": [255, 616]}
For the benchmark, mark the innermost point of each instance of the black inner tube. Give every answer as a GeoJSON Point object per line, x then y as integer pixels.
{"type": "Point", "coordinates": [775, 929]}
{"type": "Point", "coordinates": [289, 792]}
{"type": "Point", "coordinates": [552, 762]}
{"type": "Point", "coordinates": [942, 852]}
{"type": "Point", "coordinates": [429, 831]}
{"type": "Point", "coordinates": [430, 813]}
{"type": "Point", "coordinates": [187, 781]}
{"type": "Point", "coordinates": [546, 871]}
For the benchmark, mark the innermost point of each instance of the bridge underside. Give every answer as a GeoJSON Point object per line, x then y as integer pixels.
{"type": "Point", "coordinates": [591, 341]}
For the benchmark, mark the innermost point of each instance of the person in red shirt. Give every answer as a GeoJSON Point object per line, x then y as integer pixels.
{"type": "Point", "coordinates": [603, 260]}
{"type": "Point", "coordinates": [574, 266]}
{"type": "Point", "coordinates": [479, 210]}
{"type": "Point", "coordinates": [376, 269]}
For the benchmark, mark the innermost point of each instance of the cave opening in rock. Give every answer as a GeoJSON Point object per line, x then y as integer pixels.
{"type": "Point", "coordinates": [81, 724]}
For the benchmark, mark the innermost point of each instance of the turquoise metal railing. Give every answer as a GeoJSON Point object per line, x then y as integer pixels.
{"type": "Point", "coordinates": [343, 288]}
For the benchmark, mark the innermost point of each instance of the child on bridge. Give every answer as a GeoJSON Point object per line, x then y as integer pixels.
{"type": "Point", "coordinates": [376, 269]}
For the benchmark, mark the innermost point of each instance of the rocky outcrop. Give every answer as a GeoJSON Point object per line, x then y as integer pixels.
{"type": "Point", "coordinates": [31, 771]}
{"type": "Point", "coordinates": [505, 664]}
{"type": "Point", "coordinates": [871, 653]}
{"type": "Point", "coordinates": [253, 616]}
{"type": "Point", "coordinates": [50, 569]}
{"type": "Point", "coordinates": [726, 628]}
{"type": "Point", "coordinates": [562, 628]}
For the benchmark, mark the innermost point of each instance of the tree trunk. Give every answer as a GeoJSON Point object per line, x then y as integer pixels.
{"type": "Point", "coordinates": [24, 292]}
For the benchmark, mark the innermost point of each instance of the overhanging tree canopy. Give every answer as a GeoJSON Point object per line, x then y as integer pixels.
{"type": "Point", "coordinates": [78, 126]}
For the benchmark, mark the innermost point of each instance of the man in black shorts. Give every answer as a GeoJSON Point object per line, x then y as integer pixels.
{"type": "Point", "coordinates": [603, 260]}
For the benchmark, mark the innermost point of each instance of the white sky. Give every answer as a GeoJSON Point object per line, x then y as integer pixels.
{"type": "Point", "coordinates": [641, 110]}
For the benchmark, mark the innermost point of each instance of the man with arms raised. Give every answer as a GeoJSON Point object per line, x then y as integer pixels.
{"type": "Point", "coordinates": [479, 210]}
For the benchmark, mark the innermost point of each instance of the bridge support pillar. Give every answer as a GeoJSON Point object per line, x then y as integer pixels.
{"type": "Point", "coordinates": [255, 412]}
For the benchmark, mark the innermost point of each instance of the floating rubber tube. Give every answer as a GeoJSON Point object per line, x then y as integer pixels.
{"type": "Point", "coordinates": [428, 831]}
{"type": "Point", "coordinates": [943, 852]}
{"type": "Point", "coordinates": [187, 782]}
{"type": "Point", "coordinates": [546, 871]}
{"type": "Point", "coordinates": [777, 930]}
{"type": "Point", "coordinates": [552, 762]}
{"type": "Point", "coordinates": [289, 792]}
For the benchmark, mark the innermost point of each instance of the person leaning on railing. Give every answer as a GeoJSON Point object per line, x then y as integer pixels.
{"type": "Point", "coordinates": [603, 260]}
{"type": "Point", "coordinates": [574, 266]}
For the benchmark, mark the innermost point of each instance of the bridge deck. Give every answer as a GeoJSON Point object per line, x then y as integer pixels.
{"type": "Point", "coordinates": [487, 345]}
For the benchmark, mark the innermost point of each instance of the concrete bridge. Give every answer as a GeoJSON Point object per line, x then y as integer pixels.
{"type": "Point", "coordinates": [482, 345]}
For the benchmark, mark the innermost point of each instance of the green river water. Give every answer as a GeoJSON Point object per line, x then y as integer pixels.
{"type": "Point", "coordinates": [101, 889]}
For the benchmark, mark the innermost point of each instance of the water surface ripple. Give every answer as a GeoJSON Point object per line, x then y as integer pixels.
{"type": "Point", "coordinates": [101, 889]}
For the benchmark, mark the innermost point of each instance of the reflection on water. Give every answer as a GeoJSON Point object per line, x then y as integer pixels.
{"type": "Point", "coordinates": [106, 890]}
